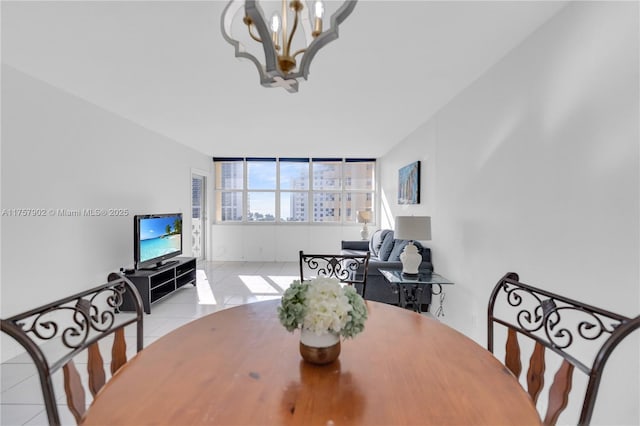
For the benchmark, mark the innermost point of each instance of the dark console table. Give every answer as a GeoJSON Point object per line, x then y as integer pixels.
{"type": "Point", "coordinates": [155, 284]}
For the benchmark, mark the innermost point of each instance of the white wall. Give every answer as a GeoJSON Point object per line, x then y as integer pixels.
{"type": "Point", "coordinates": [61, 152]}
{"type": "Point", "coordinates": [534, 168]}
{"type": "Point", "coordinates": [277, 243]}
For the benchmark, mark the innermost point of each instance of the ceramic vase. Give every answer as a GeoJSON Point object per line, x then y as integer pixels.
{"type": "Point", "coordinates": [319, 349]}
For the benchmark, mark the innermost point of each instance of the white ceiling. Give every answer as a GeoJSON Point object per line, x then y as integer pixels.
{"type": "Point", "coordinates": [165, 66]}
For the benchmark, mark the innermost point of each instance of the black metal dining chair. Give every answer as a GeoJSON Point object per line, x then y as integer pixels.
{"type": "Point", "coordinates": [349, 269]}
{"type": "Point", "coordinates": [55, 333]}
{"type": "Point", "coordinates": [575, 331]}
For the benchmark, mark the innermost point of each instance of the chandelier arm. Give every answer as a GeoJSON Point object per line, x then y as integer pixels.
{"type": "Point", "coordinates": [293, 31]}
{"type": "Point", "coordinates": [284, 24]}
{"type": "Point", "coordinates": [253, 36]}
{"type": "Point", "coordinates": [253, 10]}
{"type": "Point", "coordinates": [298, 52]}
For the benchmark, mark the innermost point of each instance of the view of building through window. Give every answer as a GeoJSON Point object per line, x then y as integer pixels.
{"type": "Point", "coordinates": [293, 189]}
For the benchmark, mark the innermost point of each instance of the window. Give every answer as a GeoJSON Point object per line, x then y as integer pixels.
{"type": "Point", "coordinates": [229, 184]}
{"type": "Point", "coordinates": [261, 189]}
{"type": "Point", "coordinates": [359, 188]}
{"type": "Point", "coordinates": [293, 190]}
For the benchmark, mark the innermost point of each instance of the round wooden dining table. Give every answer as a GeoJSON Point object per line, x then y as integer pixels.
{"type": "Point", "coordinates": [239, 366]}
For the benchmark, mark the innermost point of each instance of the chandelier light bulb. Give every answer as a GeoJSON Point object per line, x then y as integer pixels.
{"type": "Point", "coordinates": [318, 8]}
{"type": "Point", "coordinates": [275, 27]}
{"type": "Point", "coordinates": [275, 22]}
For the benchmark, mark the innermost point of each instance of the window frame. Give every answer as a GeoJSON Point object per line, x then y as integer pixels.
{"type": "Point", "coordinates": [345, 194]}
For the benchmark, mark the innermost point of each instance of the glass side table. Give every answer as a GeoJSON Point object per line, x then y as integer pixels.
{"type": "Point", "coordinates": [410, 287]}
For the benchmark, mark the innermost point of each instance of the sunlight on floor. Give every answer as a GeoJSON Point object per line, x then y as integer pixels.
{"type": "Point", "coordinates": [205, 294]}
{"type": "Point", "coordinates": [258, 285]}
{"type": "Point", "coordinates": [283, 281]}
{"type": "Point", "coordinates": [267, 288]}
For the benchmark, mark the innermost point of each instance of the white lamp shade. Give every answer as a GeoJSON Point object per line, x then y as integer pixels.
{"type": "Point", "coordinates": [415, 228]}
{"type": "Point", "coordinates": [364, 216]}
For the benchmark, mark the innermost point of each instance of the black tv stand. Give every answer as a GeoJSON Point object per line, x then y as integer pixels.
{"type": "Point", "coordinates": [160, 281]}
{"type": "Point", "coordinates": [159, 265]}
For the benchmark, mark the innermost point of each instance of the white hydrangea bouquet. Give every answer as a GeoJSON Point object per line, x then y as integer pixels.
{"type": "Point", "coordinates": [321, 305]}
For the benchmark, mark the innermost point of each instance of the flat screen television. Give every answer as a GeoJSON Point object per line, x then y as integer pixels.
{"type": "Point", "coordinates": [156, 238]}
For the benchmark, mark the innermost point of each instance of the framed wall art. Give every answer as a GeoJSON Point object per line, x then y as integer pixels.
{"type": "Point", "coordinates": [409, 184]}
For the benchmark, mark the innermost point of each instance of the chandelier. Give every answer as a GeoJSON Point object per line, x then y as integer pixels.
{"type": "Point", "coordinates": [287, 41]}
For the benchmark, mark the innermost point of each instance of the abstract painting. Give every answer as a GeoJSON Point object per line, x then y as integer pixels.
{"type": "Point", "coordinates": [409, 184]}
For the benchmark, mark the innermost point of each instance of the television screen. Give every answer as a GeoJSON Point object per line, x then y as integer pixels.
{"type": "Point", "coordinates": [158, 237]}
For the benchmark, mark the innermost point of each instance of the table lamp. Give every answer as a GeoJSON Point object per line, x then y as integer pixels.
{"type": "Point", "coordinates": [412, 228]}
{"type": "Point", "coordinates": [364, 217]}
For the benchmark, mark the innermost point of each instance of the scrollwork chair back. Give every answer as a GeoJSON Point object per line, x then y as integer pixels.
{"type": "Point", "coordinates": [566, 327]}
{"type": "Point", "coordinates": [350, 269]}
{"type": "Point", "coordinates": [53, 334]}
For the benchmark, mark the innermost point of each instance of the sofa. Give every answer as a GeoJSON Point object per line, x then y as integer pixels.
{"type": "Point", "coordinates": [385, 253]}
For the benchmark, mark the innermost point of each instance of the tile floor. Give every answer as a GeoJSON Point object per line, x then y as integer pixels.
{"type": "Point", "coordinates": [220, 285]}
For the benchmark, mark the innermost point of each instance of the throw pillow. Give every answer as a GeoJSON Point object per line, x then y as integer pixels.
{"type": "Point", "coordinates": [386, 247]}
{"type": "Point", "coordinates": [398, 247]}
{"type": "Point", "coordinates": [375, 242]}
